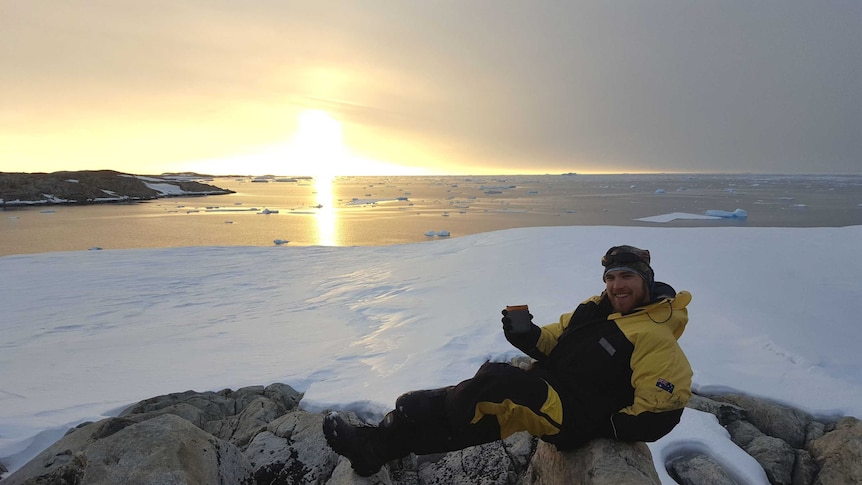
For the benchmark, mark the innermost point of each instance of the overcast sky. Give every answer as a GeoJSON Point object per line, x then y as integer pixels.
{"type": "Point", "coordinates": [486, 86]}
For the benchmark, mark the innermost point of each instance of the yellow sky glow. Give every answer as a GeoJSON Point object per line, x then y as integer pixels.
{"type": "Point", "coordinates": [221, 87]}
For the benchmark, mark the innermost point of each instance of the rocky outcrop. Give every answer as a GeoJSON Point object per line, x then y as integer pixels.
{"type": "Point", "coordinates": [791, 446]}
{"type": "Point", "coordinates": [181, 438]}
{"type": "Point", "coordinates": [94, 186]}
{"type": "Point", "coordinates": [257, 435]}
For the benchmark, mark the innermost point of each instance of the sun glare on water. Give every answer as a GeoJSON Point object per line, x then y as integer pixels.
{"type": "Point", "coordinates": [318, 146]}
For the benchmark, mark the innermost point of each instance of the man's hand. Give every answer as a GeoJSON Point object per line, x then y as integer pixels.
{"type": "Point", "coordinates": [517, 320]}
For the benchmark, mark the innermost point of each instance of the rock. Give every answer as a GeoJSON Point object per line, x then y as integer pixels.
{"type": "Point", "coordinates": [258, 435]}
{"type": "Point", "coordinates": [815, 430]}
{"type": "Point", "coordinates": [283, 394]}
{"type": "Point", "coordinates": [839, 453]}
{"type": "Point", "coordinates": [496, 463]}
{"type": "Point", "coordinates": [775, 456]}
{"type": "Point", "coordinates": [166, 449]}
{"type": "Point", "coordinates": [520, 448]}
{"type": "Point", "coordinates": [292, 450]}
{"type": "Point", "coordinates": [343, 475]}
{"type": "Point", "coordinates": [601, 462]}
{"type": "Point", "coordinates": [725, 412]}
{"type": "Point", "coordinates": [221, 411]}
{"type": "Point", "coordinates": [774, 419]}
{"type": "Point", "coordinates": [742, 433]}
{"type": "Point", "coordinates": [804, 470]}
{"type": "Point", "coordinates": [699, 470]}
{"type": "Point", "coordinates": [253, 418]}
{"type": "Point", "coordinates": [211, 406]}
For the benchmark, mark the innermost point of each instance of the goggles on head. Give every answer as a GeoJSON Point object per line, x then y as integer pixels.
{"type": "Point", "coordinates": [621, 258]}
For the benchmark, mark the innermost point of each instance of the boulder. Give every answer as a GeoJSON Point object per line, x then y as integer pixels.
{"type": "Point", "coordinates": [166, 449]}
{"type": "Point", "coordinates": [776, 420]}
{"type": "Point", "coordinates": [292, 450]}
{"type": "Point", "coordinates": [839, 453]}
{"type": "Point", "coordinates": [600, 462]}
{"type": "Point", "coordinates": [725, 412]}
{"type": "Point", "coordinates": [742, 433]}
{"type": "Point", "coordinates": [699, 469]}
{"type": "Point", "coordinates": [775, 456]}
{"type": "Point", "coordinates": [496, 463]}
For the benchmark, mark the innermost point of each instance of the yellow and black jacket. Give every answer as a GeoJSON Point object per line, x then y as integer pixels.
{"type": "Point", "coordinates": [620, 376]}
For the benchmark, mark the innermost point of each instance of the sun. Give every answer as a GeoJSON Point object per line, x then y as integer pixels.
{"type": "Point", "coordinates": [318, 144]}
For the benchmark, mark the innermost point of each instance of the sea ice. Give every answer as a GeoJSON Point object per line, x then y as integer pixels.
{"type": "Point", "coordinates": [675, 215]}
{"type": "Point", "coordinates": [737, 214]}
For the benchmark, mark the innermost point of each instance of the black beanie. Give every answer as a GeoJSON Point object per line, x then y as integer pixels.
{"type": "Point", "coordinates": [629, 258]}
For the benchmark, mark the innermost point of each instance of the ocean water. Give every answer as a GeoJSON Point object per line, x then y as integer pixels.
{"type": "Point", "coordinates": [382, 210]}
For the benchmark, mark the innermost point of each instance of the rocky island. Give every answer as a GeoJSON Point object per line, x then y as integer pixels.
{"type": "Point", "coordinates": [97, 186]}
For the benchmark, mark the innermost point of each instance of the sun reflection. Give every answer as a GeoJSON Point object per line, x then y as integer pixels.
{"type": "Point", "coordinates": [319, 145]}
{"type": "Point", "coordinates": [325, 215]}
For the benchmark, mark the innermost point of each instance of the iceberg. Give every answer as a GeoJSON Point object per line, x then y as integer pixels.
{"type": "Point", "coordinates": [737, 214]}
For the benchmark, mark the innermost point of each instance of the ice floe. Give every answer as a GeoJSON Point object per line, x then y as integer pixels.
{"type": "Point", "coordinates": [676, 215]}
{"type": "Point", "coordinates": [737, 214]}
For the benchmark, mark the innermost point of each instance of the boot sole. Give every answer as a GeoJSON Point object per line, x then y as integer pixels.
{"type": "Point", "coordinates": [336, 430]}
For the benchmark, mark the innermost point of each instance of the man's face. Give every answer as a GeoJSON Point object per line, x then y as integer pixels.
{"type": "Point", "coordinates": [626, 290]}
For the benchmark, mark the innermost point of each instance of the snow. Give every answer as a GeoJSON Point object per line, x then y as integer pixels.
{"type": "Point", "coordinates": [87, 333]}
{"type": "Point", "coordinates": [166, 188]}
{"type": "Point", "coordinates": [699, 432]}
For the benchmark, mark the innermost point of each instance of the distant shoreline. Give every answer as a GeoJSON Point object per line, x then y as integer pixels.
{"type": "Point", "coordinates": [97, 187]}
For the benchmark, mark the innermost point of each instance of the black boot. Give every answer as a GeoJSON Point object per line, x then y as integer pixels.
{"type": "Point", "coordinates": [367, 447]}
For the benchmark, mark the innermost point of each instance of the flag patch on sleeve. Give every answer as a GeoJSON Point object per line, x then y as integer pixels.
{"type": "Point", "coordinates": [664, 385]}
